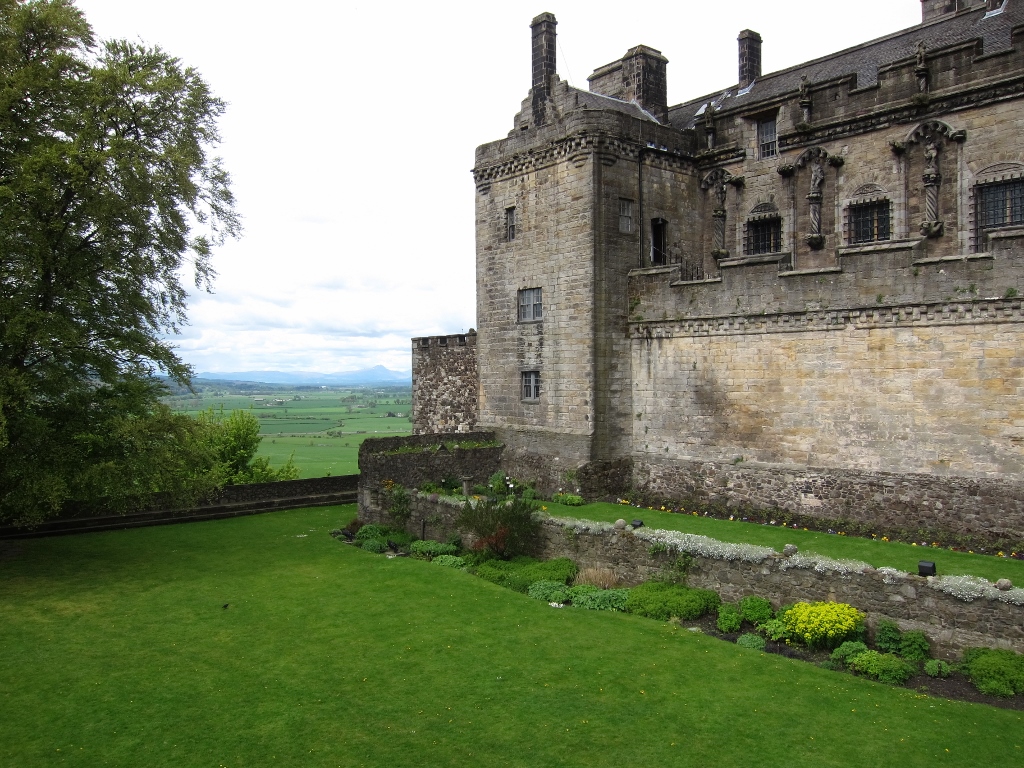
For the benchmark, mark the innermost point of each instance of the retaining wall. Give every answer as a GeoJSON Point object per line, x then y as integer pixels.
{"type": "Point", "coordinates": [913, 602]}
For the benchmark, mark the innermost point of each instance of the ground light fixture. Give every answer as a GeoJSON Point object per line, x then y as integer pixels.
{"type": "Point", "coordinates": [638, 523]}
{"type": "Point", "coordinates": [925, 568]}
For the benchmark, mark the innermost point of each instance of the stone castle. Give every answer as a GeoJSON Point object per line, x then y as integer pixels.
{"type": "Point", "coordinates": [801, 291]}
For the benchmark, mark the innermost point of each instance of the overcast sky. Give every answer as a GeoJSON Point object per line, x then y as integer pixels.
{"type": "Point", "coordinates": [350, 134]}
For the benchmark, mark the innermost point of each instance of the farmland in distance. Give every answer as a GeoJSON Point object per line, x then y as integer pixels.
{"type": "Point", "coordinates": [322, 426]}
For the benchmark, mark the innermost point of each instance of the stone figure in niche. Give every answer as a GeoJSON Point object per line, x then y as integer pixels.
{"type": "Point", "coordinates": [815, 239]}
{"type": "Point", "coordinates": [921, 54]}
{"type": "Point", "coordinates": [931, 157]}
{"type": "Point", "coordinates": [932, 224]}
{"type": "Point", "coordinates": [817, 177]}
{"type": "Point", "coordinates": [720, 192]}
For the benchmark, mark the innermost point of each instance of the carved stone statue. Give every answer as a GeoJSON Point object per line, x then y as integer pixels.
{"type": "Point", "coordinates": [931, 157]}
{"type": "Point", "coordinates": [720, 192]}
{"type": "Point", "coordinates": [817, 177]}
{"type": "Point", "coordinates": [922, 55]}
{"type": "Point", "coordinates": [805, 99]}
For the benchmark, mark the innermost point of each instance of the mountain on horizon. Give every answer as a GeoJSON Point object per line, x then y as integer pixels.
{"type": "Point", "coordinates": [376, 375]}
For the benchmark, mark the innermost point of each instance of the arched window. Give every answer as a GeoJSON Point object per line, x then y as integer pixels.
{"type": "Point", "coordinates": [868, 216]}
{"type": "Point", "coordinates": [763, 230]}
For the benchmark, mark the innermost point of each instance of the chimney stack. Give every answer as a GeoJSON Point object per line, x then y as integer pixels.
{"type": "Point", "coordinates": [750, 57]}
{"type": "Point", "coordinates": [644, 80]}
{"type": "Point", "coordinates": [543, 28]}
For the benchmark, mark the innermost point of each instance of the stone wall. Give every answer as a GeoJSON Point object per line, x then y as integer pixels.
{"type": "Point", "coordinates": [412, 461]}
{"type": "Point", "coordinates": [986, 508]}
{"type": "Point", "coordinates": [444, 383]}
{"type": "Point", "coordinates": [950, 623]}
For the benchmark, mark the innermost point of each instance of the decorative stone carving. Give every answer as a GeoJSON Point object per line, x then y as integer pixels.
{"type": "Point", "coordinates": [921, 69]}
{"type": "Point", "coordinates": [805, 99]}
{"type": "Point", "coordinates": [709, 125]}
{"type": "Point", "coordinates": [718, 181]}
{"type": "Point", "coordinates": [817, 157]}
{"type": "Point", "coordinates": [931, 226]}
{"type": "Point", "coordinates": [786, 170]}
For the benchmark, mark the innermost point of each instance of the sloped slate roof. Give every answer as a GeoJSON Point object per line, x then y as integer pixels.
{"type": "Point", "coordinates": [589, 100]}
{"type": "Point", "coordinates": [865, 60]}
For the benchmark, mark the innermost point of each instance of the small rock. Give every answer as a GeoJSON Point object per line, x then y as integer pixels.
{"type": "Point", "coordinates": [1004, 585]}
{"type": "Point", "coordinates": [789, 550]}
{"type": "Point", "coordinates": [620, 524]}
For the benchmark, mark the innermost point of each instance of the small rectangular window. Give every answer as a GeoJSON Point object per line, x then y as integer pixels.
{"type": "Point", "coordinates": [767, 138]}
{"type": "Point", "coordinates": [764, 236]}
{"type": "Point", "coordinates": [869, 222]}
{"type": "Point", "coordinates": [510, 224]}
{"type": "Point", "coordinates": [659, 242]}
{"type": "Point", "coordinates": [625, 215]}
{"type": "Point", "coordinates": [531, 306]}
{"type": "Point", "coordinates": [531, 385]}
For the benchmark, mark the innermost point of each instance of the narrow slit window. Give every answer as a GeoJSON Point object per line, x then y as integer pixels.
{"type": "Point", "coordinates": [531, 385]}
{"type": "Point", "coordinates": [659, 242]}
{"type": "Point", "coordinates": [625, 215]}
{"type": "Point", "coordinates": [531, 306]}
{"type": "Point", "coordinates": [869, 222]}
{"type": "Point", "coordinates": [767, 138]}
{"type": "Point", "coordinates": [510, 224]}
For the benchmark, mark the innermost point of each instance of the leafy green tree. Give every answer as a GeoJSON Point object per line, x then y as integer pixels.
{"type": "Point", "coordinates": [235, 439]}
{"type": "Point", "coordinates": [109, 196]}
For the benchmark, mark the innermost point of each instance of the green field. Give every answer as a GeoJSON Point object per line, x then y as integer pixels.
{"type": "Point", "coordinates": [117, 650]}
{"type": "Point", "coordinates": [321, 427]}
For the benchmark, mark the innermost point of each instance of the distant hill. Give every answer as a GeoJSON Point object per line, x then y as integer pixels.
{"type": "Point", "coordinates": [376, 375]}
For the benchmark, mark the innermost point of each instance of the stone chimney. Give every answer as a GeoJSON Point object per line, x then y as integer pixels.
{"type": "Point", "coordinates": [543, 28]}
{"type": "Point", "coordinates": [644, 80]}
{"type": "Point", "coordinates": [750, 57]}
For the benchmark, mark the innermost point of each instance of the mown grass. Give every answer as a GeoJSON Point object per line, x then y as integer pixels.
{"type": "Point", "coordinates": [875, 552]}
{"type": "Point", "coordinates": [115, 649]}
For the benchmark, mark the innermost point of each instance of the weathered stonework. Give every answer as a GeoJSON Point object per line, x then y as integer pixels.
{"type": "Point", "coordinates": [444, 383]}
{"type": "Point", "coordinates": [801, 291]}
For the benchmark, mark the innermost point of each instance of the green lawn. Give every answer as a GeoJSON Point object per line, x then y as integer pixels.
{"type": "Point", "coordinates": [877, 553]}
{"type": "Point", "coordinates": [115, 649]}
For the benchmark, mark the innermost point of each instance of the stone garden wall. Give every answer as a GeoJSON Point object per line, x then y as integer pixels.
{"type": "Point", "coordinates": [993, 618]}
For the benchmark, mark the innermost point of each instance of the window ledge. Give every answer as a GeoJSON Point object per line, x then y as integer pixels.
{"type": "Point", "coordinates": [820, 271]}
{"type": "Point", "coordinates": [763, 258]}
{"type": "Point", "coordinates": [957, 257]}
{"type": "Point", "coordinates": [878, 247]}
{"type": "Point", "coordinates": [530, 322]}
{"type": "Point", "coordinates": [1006, 233]}
{"type": "Point", "coordinates": [654, 270]}
{"type": "Point", "coordinates": [706, 281]}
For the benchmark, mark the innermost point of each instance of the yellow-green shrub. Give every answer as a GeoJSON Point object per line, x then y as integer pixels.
{"type": "Point", "coordinates": [824, 625]}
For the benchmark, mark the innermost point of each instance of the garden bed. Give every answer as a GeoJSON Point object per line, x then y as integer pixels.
{"type": "Point", "coordinates": [956, 687]}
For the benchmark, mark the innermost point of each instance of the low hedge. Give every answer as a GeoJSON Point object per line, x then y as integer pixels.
{"type": "Point", "coordinates": [662, 601]}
